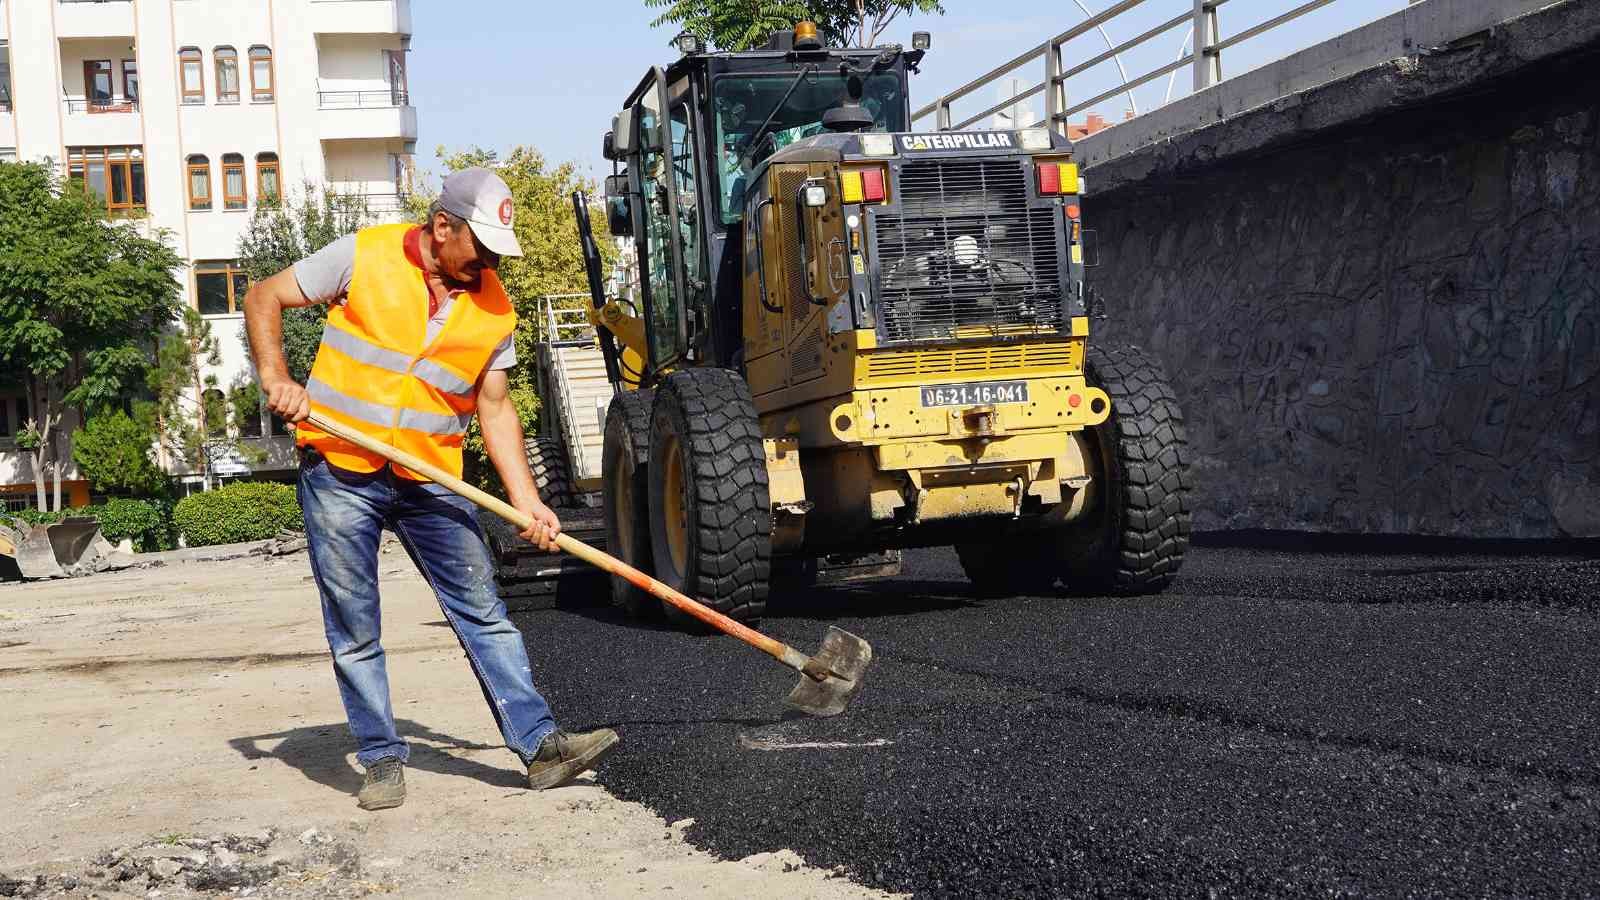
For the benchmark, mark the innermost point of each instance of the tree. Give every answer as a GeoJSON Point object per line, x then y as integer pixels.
{"type": "Point", "coordinates": [191, 411]}
{"type": "Point", "coordinates": [280, 235]}
{"type": "Point", "coordinates": [79, 299]}
{"type": "Point", "coordinates": [552, 262]}
{"type": "Point", "coordinates": [112, 451]}
{"type": "Point", "coordinates": [743, 24]}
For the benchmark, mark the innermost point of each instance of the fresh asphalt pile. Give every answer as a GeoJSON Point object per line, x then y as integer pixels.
{"type": "Point", "coordinates": [1277, 722]}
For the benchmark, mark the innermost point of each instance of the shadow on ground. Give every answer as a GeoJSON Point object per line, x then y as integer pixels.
{"type": "Point", "coordinates": [320, 752]}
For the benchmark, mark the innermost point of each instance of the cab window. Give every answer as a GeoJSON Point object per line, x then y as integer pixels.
{"type": "Point", "coordinates": [743, 102]}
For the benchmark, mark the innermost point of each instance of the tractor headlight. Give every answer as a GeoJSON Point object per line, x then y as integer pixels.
{"type": "Point", "coordinates": [877, 144]}
{"type": "Point", "coordinates": [815, 195]}
{"type": "Point", "coordinates": [1034, 138]}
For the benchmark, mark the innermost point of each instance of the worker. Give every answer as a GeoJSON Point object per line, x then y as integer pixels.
{"type": "Point", "coordinates": [418, 341]}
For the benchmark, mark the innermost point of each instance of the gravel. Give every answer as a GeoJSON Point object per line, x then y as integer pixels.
{"type": "Point", "coordinates": [1286, 723]}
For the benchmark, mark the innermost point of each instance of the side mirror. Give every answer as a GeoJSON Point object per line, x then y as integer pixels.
{"type": "Point", "coordinates": [622, 134]}
{"type": "Point", "coordinates": [619, 207]}
{"type": "Point", "coordinates": [608, 148]}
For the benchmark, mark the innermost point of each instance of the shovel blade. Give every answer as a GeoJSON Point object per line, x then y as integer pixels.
{"type": "Point", "coordinates": [846, 658]}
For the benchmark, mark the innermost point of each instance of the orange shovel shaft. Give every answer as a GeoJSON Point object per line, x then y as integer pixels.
{"type": "Point", "coordinates": [787, 654]}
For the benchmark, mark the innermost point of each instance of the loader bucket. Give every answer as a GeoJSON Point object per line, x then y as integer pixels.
{"type": "Point", "coordinates": [10, 539]}
{"type": "Point", "coordinates": [51, 551]}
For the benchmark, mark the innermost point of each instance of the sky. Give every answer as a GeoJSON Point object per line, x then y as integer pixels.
{"type": "Point", "coordinates": [499, 73]}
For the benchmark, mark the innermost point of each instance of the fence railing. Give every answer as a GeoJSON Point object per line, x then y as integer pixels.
{"type": "Point", "coordinates": [82, 105]}
{"type": "Point", "coordinates": [1203, 53]}
{"type": "Point", "coordinates": [565, 324]}
{"type": "Point", "coordinates": [362, 99]}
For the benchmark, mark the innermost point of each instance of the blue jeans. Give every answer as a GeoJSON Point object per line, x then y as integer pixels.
{"type": "Point", "coordinates": [345, 513]}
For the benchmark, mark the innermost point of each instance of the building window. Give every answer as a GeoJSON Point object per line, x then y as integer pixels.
{"type": "Point", "coordinates": [192, 73]}
{"type": "Point", "coordinates": [247, 411]}
{"type": "Point", "coordinates": [98, 86]}
{"type": "Point", "coordinates": [261, 74]}
{"type": "Point", "coordinates": [267, 178]}
{"type": "Point", "coordinates": [130, 80]}
{"type": "Point", "coordinates": [114, 175]}
{"type": "Point", "coordinates": [219, 287]}
{"type": "Point", "coordinates": [233, 196]}
{"type": "Point", "coordinates": [395, 64]}
{"type": "Point", "coordinates": [227, 61]}
{"type": "Point", "coordinates": [214, 408]}
{"type": "Point", "coordinates": [13, 416]}
{"type": "Point", "coordinates": [199, 182]}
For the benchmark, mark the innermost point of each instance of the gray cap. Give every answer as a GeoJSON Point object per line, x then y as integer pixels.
{"type": "Point", "coordinates": [479, 196]}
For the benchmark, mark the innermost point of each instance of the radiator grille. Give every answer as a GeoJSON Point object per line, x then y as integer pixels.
{"type": "Point", "coordinates": [914, 364]}
{"type": "Point", "coordinates": [965, 257]}
{"type": "Point", "coordinates": [786, 184]}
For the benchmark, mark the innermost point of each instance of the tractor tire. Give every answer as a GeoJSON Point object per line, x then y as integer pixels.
{"type": "Point", "coordinates": [548, 460]}
{"type": "Point", "coordinates": [1134, 538]}
{"type": "Point", "coordinates": [710, 515]}
{"type": "Point", "coordinates": [625, 466]}
{"type": "Point", "coordinates": [1011, 569]}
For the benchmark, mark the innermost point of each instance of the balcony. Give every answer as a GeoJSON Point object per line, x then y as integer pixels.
{"type": "Point", "coordinates": [361, 16]}
{"type": "Point", "coordinates": [95, 122]}
{"type": "Point", "coordinates": [357, 115]}
{"type": "Point", "coordinates": [94, 18]}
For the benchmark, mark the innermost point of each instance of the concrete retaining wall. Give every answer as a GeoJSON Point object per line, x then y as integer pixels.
{"type": "Point", "coordinates": [1379, 300]}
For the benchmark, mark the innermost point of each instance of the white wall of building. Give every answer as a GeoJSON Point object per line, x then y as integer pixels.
{"type": "Point", "coordinates": [317, 45]}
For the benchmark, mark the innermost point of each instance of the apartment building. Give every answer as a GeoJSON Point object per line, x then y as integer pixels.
{"type": "Point", "coordinates": [184, 115]}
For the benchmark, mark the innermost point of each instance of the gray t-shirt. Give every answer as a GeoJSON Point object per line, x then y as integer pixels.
{"type": "Point", "coordinates": [324, 277]}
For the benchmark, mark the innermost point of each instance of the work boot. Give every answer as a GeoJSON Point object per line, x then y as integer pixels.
{"type": "Point", "coordinates": [563, 757]}
{"type": "Point", "coordinates": [385, 787]}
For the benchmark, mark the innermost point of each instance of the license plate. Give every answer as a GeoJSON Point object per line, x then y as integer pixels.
{"type": "Point", "coordinates": [976, 393]}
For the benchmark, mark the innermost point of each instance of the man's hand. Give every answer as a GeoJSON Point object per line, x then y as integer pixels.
{"type": "Point", "coordinates": [545, 525]}
{"type": "Point", "coordinates": [287, 400]}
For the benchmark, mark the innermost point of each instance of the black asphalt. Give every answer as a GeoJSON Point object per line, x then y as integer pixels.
{"type": "Point", "coordinates": [1276, 723]}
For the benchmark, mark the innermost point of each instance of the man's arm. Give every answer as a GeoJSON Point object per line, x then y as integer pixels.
{"type": "Point", "coordinates": [502, 437]}
{"type": "Point", "coordinates": [264, 304]}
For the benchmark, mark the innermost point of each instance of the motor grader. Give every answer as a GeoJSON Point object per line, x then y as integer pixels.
{"type": "Point", "coordinates": [852, 338]}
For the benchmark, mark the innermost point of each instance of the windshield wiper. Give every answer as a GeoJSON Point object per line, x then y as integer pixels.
{"type": "Point", "coordinates": [750, 143]}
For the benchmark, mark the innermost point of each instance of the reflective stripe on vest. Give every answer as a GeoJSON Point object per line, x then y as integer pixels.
{"type": "Point", "coordinates": [387, 416]}
{"type": "Point", "coordinates": [379, 373]}
{"type": "Point", "coordinates": [384, 358]}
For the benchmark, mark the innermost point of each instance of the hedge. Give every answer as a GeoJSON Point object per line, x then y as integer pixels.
{"type": "Point", "coordinates": [242, 511]}
{"type": "Point", "coordinates": [147, 522]}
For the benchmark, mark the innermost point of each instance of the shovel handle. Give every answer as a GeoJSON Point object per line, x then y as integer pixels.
{"type": "Point", "coordinates": [597, 558]}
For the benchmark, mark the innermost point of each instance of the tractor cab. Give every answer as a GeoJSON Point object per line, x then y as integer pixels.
{"type": "Point", "coordinates": [686, 145]}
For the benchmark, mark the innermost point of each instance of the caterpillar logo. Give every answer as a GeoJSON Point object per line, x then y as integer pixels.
{"type": "Point", "coordinates": [982, 140]}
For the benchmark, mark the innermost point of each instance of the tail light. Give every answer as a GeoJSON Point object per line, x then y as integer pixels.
{"type": "Point", "coordinates": [862, 185]}
{"type": "Point", "coordinates": [1057, 178]}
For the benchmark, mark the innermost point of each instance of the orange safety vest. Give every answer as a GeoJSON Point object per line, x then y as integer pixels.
{"type": "Point", "coordinates": [373, 373]}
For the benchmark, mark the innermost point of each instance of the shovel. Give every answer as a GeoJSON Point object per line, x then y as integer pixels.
{"type": "Point", "coordinates": [827, 680]}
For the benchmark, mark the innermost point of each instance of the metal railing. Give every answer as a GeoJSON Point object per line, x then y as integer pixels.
{"type": "Point", "coordinates": [1204, 60]}
{"type": "Point", "coordinates": [383, 203]}
{"type": "Point", "coordinates": [83, 105]}
{"type": "Point", "coordinates": [568, 327]}
{"type": "Point", "coordinates": [565, 325]}
{"type": "Point", "coordinates": [362, 99]}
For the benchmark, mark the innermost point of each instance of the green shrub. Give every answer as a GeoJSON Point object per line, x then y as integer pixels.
{"type": "Point", "coordinates": [43, 517]}
{"type": "Point", "coordinates": [145, 521]}
{"type": "Point", "coordinates": [243, 511]}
